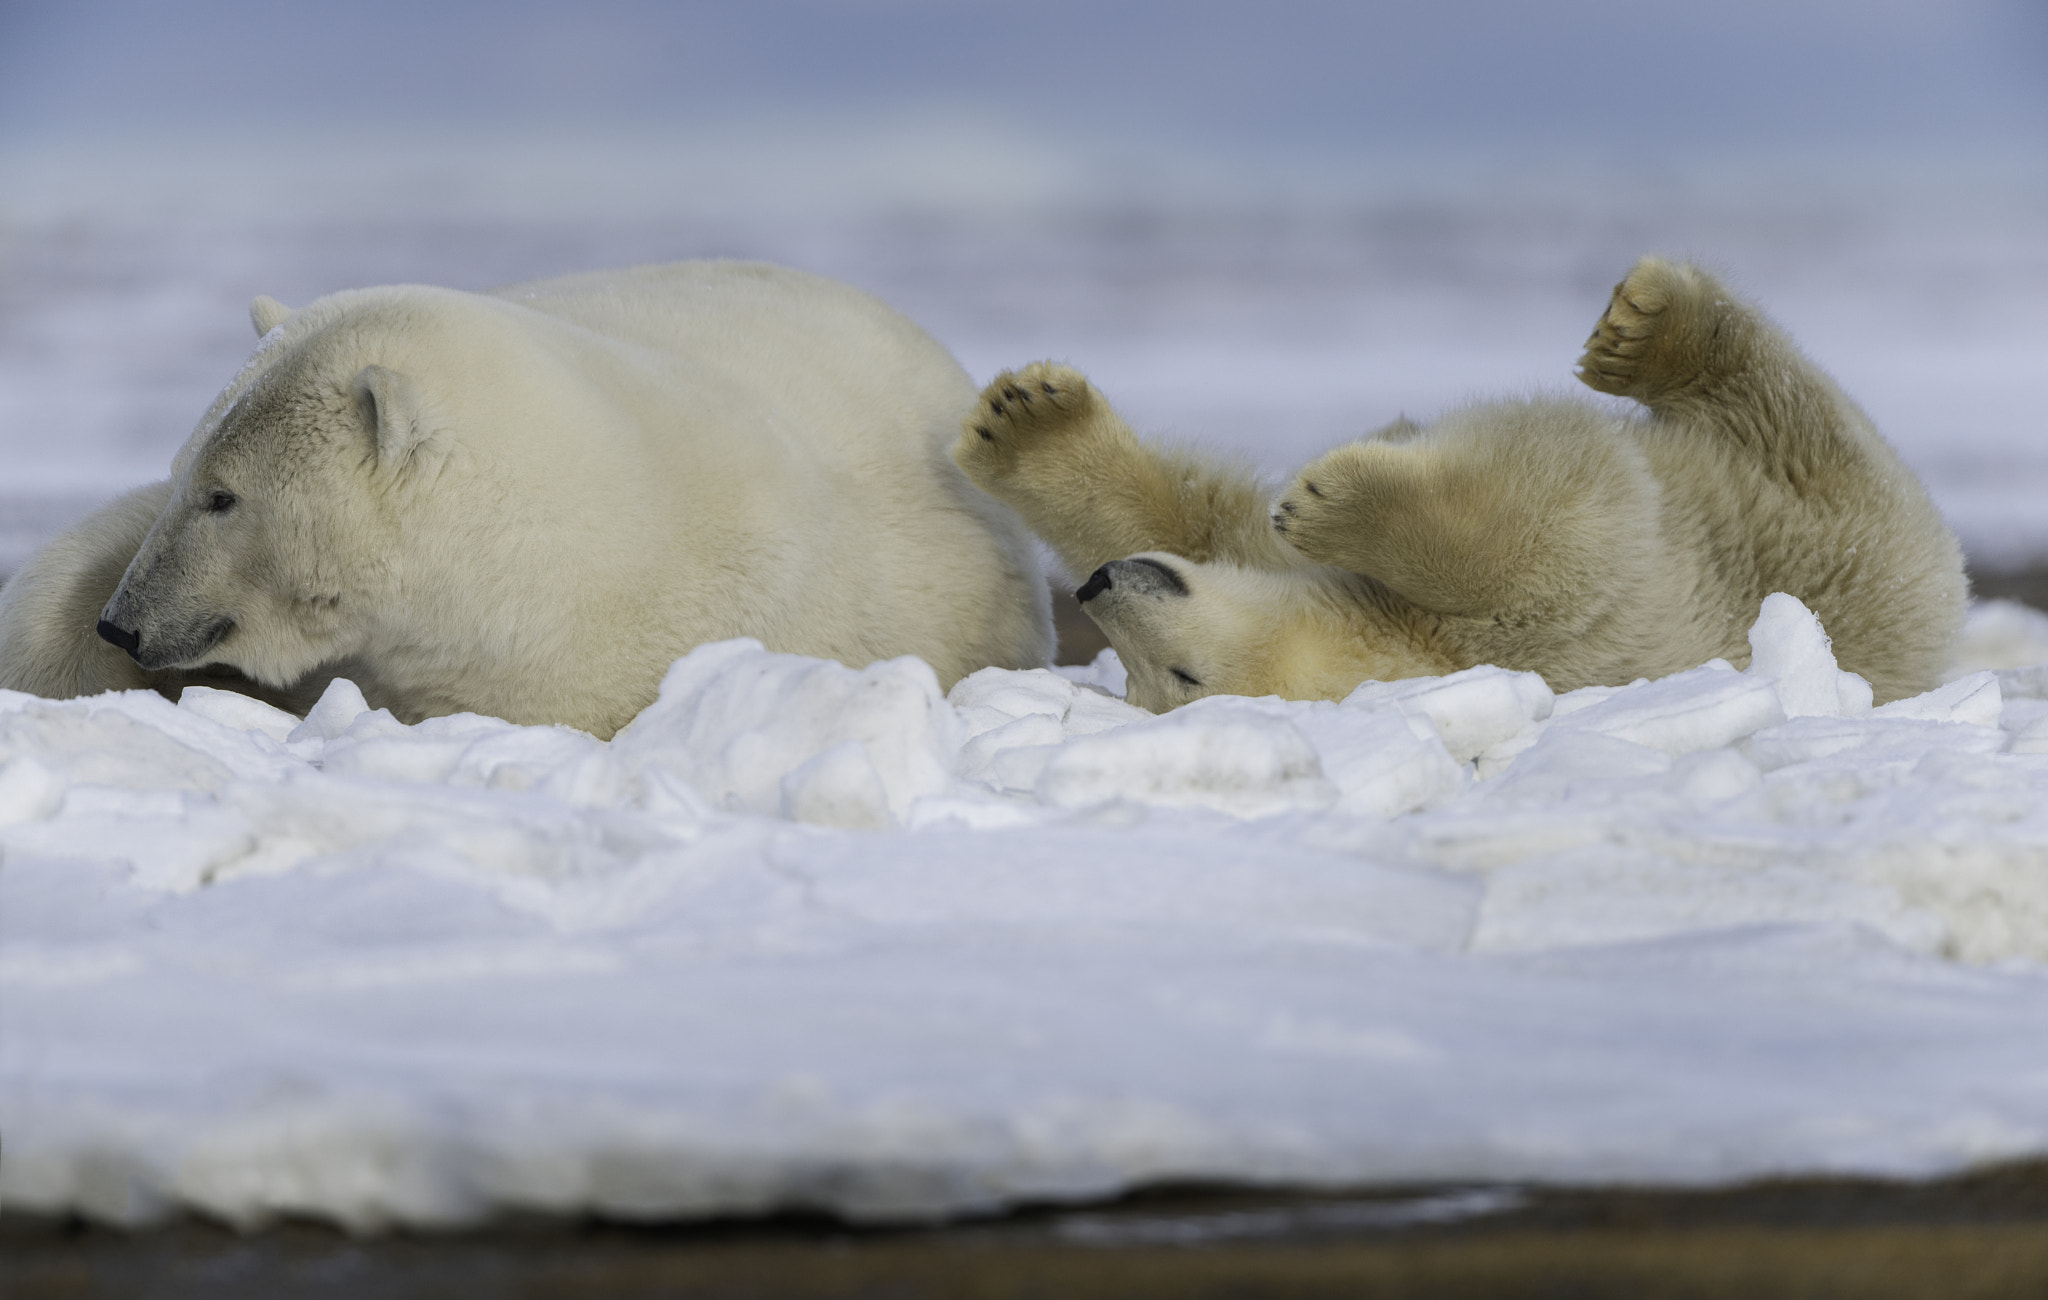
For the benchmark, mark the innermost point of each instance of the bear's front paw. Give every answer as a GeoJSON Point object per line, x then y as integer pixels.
{"type": "Point", "coordinates": [1020, 409]}
{"type": "Point", "coordinates": [1318, 514]}
{"type": "Point", "coordinates": [1654, 336]}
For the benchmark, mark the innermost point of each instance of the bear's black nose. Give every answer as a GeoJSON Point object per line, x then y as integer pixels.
{"type": "Point", "coordinates": [120, 636]}
{"type": "Point", "coordinates": [1098, 582]}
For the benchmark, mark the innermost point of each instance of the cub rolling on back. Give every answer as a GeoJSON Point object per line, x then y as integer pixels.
{"type": "Point", "coordinates": [1553, 535]}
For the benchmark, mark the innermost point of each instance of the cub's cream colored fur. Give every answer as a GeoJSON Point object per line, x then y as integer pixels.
{"type": "Point", "coordinates": [1550, 535]}
{"type": "Point", "coordinates": [528, 503]}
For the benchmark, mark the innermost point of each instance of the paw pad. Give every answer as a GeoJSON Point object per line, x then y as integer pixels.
{"type": "Point", "coordinates": [1019, 406]}
{"type": "Point", "coordinates": [1631, 349]}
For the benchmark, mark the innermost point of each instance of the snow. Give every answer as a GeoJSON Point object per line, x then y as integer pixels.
{"type": "Point", "coordinates": [809, 936]}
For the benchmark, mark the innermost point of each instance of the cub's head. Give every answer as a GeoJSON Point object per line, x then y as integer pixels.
{"type": "Point", "coordinates": [280, 521]}
{"type": "Point", "coordinates": [1184, 630]}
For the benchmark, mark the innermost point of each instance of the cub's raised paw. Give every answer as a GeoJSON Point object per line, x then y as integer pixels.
{"type": "Point", "coordinates": [1319, 513]}
{"type": "Point", "coordinates": [1657, 333]}
{"type": "Point", "coordinates": [1021, 409]}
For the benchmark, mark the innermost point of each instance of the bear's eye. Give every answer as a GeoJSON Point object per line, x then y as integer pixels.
{"type": "Point", "coordinates": [221, 501]}
{"type": "Point", "coordinates": [1185, 676]}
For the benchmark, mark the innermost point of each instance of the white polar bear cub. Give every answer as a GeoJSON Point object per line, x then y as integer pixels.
{"type": "Point", "coordinates": [529, 502]}
{"type": "Point", "coordinates": [1552, 535]}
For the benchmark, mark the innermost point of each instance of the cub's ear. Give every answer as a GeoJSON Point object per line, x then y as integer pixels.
{"type": "Point", "coordinates": [266, 313]}
{"type": "Point", "coordinates": [390, 405]}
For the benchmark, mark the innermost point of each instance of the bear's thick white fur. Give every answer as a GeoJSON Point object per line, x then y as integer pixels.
{"type": "Point", "coordinates": [1553, 535]}
{"type": "Point", "coordinates": [528, 503]}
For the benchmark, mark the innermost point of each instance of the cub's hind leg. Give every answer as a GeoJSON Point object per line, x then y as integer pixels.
{"type": "Point", "coordinates": [1676, 340]}
{"type": "Point", "coordinates": [1792, 485]}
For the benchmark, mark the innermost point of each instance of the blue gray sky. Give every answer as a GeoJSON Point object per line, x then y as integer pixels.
{"type": "Point", "coordinates": [1280, 79]}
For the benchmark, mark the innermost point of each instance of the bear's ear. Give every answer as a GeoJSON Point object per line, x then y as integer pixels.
{"type": "Point", "coordinates": [390, 406]}
{"type": "Point", "coordinates": [266, 313]}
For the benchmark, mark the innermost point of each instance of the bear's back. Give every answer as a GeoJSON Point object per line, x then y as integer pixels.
{"type": "Point", "coordinates": [825, 350]}
{"type": "Point", "coordinates": [806, 425]}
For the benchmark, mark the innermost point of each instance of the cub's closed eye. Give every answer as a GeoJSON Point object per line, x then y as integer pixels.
{"type": "Point", "coordinates": [1187, 677]}
{"type": "Point", "coordinates": [221, 501]}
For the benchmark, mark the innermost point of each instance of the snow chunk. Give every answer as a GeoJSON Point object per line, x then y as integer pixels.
{"type": "Point", "coordinates": [994, 697]}
{"type": "Point", "coordinates": [1807, 740]}
{"type": "Point", "coordinates": [733, 720]}
{"type": "Point", "coordinates": [239, 712]}
{"type": "Point", "coordinates": [1974, 701]}
{"type": "Point", "coordinates": [1382, 765]}
{"type": "Point", "coordinates": [1003, 755]}
{"type": "Point", "coordinates": [109, 740]}
{"type": "Point", "coordinates": [839, 787]}
{"type": "Point", "coordinates": [1788, 645]}
{"type": "Point", "coordinates": [1567, 759]}
{"type": "Point", "coordinates": [1704, 708]}
{"type": "Point", "coordinates": [333, 713]}
{"type": "Point", "coordinates": [1213, 754]}
{"type": "Point", "coordinates": [1472, 711]}
{"type": "Point", "coordinates": [1104, 673]}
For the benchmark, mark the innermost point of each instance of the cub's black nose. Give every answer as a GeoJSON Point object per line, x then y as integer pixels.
{"type": "Point", "coordinates": [1098, 582]}
{"type": "Point", "coordinates": [120, 636]}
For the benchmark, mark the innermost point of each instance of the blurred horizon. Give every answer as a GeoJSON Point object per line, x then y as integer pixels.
{"type": "Point", "coordinates": [794, 105]}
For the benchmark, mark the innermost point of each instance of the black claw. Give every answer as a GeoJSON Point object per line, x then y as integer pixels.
{"type": "Point", "coordinates": [1287, 506]}
{"type": "Point", "coordinates": [1050, 391]}
{"type": "Point", "coordinates": [1279, 524]}
{"type": "Point", "coordinates": [1313, 490]}
{"type": "Point", "coordinates": [996, 407]}
{"type": "Point", "coordinates": [986, 436]}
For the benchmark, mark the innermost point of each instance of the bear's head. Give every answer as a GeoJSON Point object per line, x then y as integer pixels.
{"type": "Point", "coordinates": [289, 502]}
{"type": "Point", "coordinates": [1185, 630]}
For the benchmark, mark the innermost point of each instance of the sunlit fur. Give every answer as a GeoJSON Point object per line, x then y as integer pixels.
{"type": "Point", "coordinates": [1585, 542]}
{"type": "Point", "coordinates": [1299, 632]}
{"type": "Point", "coordinates": [529, 503]}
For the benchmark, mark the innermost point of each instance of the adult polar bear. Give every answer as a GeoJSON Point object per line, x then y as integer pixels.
{"type": "Point", "coordinates": [528, 503]}
{"type": "Point", "coordinates": [1548, 535]}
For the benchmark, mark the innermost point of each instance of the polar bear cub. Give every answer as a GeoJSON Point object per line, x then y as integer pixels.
{"type": "Point", "coordinates": [529, 502]}
{"type": "Point", "coordinates": [1552, 535]}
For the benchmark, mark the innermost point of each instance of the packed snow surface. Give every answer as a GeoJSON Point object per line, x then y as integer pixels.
{"type": "Point", "coordinates": [810, 936]}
